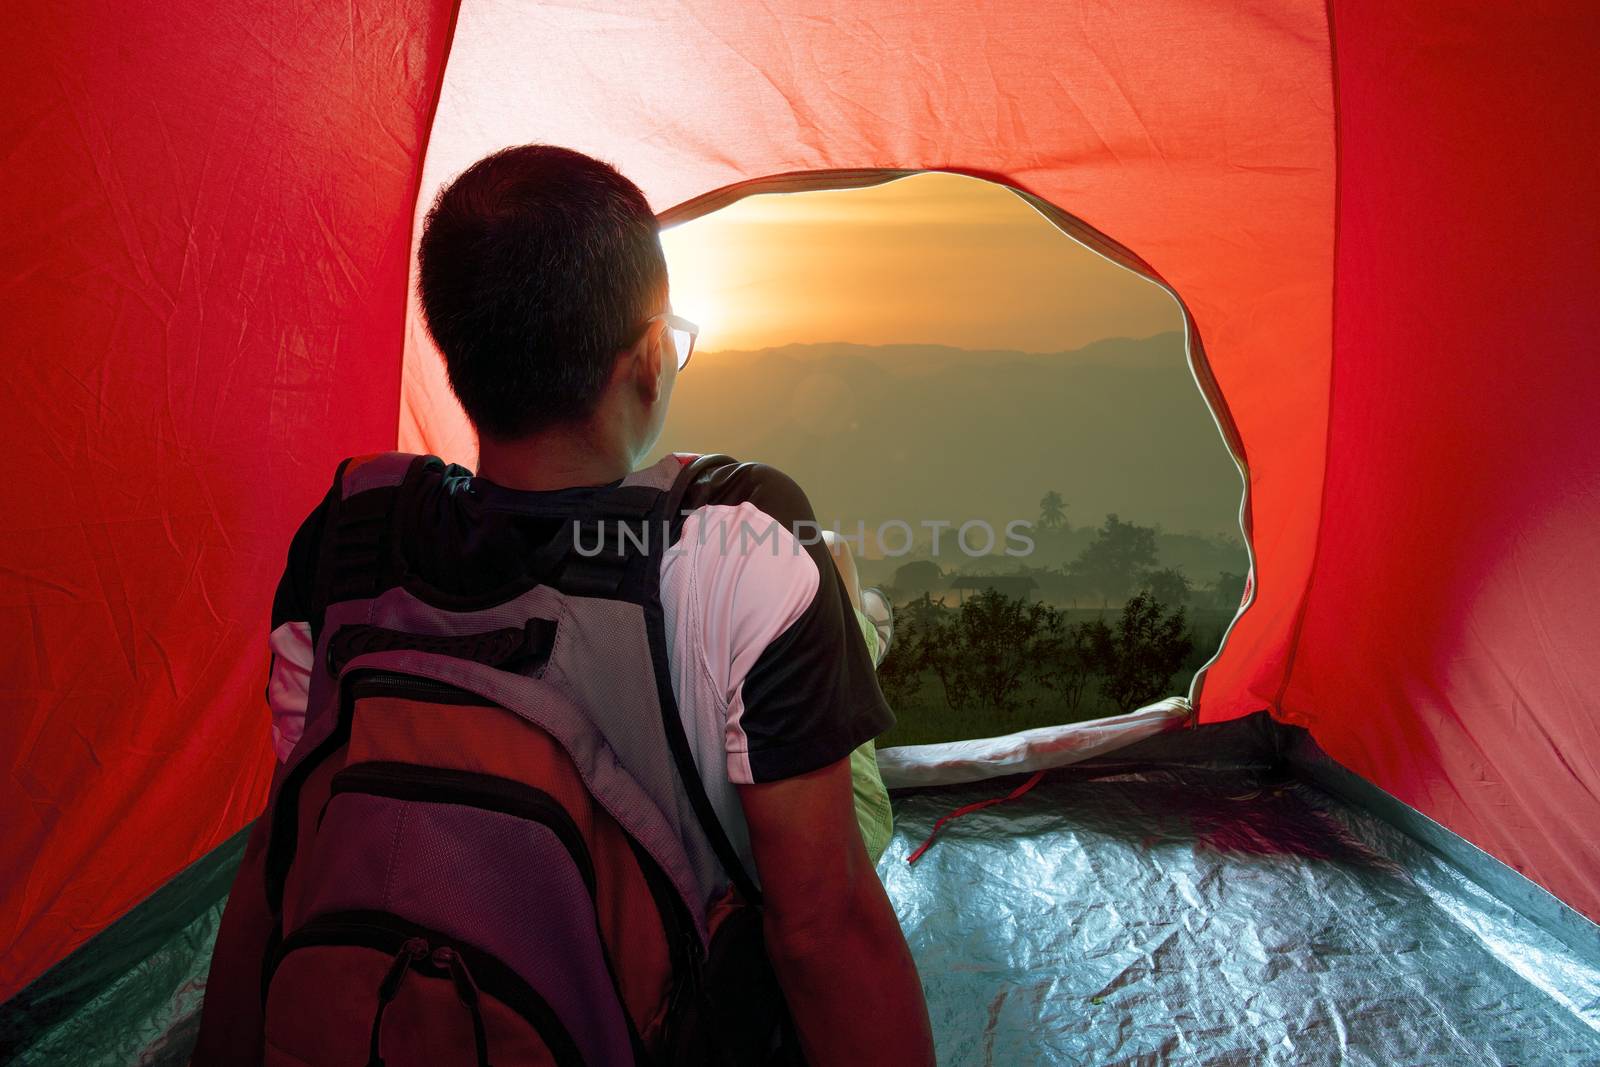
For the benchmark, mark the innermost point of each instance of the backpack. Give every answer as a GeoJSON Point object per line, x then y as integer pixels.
{"type": "Point", "coordinates": [491, 844]}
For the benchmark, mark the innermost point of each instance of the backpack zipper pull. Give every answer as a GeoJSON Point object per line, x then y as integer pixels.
{"type": "Point", "coordinates": [449, 959]}
{"type": "Point", "coordinates": [413, 950]}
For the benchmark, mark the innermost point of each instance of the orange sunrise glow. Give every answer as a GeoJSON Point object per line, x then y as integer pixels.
{"type": "Point", "coordinates": [931, 259]}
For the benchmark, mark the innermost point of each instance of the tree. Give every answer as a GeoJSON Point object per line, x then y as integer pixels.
{"type": "Point", "coordinates": [918, 578]}
{"type": "Point", "coordinates": [1052, 516]}
{"type": "Point", "coordinates": [900, 673]}
{"type": "Point", "coordinates": [1067, 663]}
{"type": "Point", "coordinates": [1168, 586]}
{"type": "Point", "coordinates": [1137, 660]}
{"type": "Point", "coordinates": [1230, 590]}
{"type": "Point", "coordinates": [1117, 559]}
{"type": "Point", "coordinates": [985, 652]}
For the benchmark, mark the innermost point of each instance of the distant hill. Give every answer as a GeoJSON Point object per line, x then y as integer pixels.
{"type": "Point", "coordinates": [1154, 351]}
{"type": "Point", "coordinates": [927, 432]}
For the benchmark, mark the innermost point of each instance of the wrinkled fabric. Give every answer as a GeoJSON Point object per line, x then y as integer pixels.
{"type": "Point", "coordinates": [1378, 229]}
{"type": "Point", "coordinates": [1218, 916]}
{"type": "Point", "coordinates": [202, 281]}
{"type": "Point", "coordinates": [874, 815]}
{"type": "Point", "coordinates": [1448, 651]}
{"type": "Point", "coordinates": [1178, 904]}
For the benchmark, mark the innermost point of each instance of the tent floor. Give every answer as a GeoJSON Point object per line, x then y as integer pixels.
{"type": "Point", "coordinates": [1186, 900]}
{"type": "Point", "coordinates": [1202, 915]}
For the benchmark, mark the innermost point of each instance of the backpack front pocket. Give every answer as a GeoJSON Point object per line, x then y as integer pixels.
{"type": "Point", "coordinates": [371, 987]}
{"type": "Point", "coordinates": [495, 867]}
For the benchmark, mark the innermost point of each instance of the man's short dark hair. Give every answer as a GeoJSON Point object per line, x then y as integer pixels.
{"type": "Point", "coordinates": [538, 265]}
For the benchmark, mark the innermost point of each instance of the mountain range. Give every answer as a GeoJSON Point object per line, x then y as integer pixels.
{"type": "Point", "coordinates": [928, 432]}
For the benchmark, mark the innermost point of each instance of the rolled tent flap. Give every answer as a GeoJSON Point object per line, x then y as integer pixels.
{"type": "Point", "coordinates": [208, 217]}
{"type": "Point", "coordinates": [1040, 749]}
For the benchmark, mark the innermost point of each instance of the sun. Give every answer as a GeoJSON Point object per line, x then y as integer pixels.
{"type": "Point", "coordinates": [697, 269]}
{"type": "Point", "coordinates": [702, 305]}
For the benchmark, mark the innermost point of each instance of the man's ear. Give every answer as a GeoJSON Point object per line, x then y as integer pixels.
{"type": "Point", "coordinates": [647, 363]}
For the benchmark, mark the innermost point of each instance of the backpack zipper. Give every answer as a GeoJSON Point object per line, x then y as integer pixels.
{"type": "Point", "coordinates": [282, 844]}
{"type": "Point", "coordinates": [416, 783]}
{"type": "Point", "coordinates": [683, 943]}
{"type": "Point", "coordinates": [442, 785]}
{"type": "Point", "coordinates": [415, 947]}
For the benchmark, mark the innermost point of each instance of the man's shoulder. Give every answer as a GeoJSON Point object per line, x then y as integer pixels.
{"type": "Point", "coordinates": [751, 533]}
{"type": "Point", "coordinates": [728, 482]}
{"type": "Point", "coordinates": [298, 594]}
{"type": "Point", "coordinates": [353, 476]}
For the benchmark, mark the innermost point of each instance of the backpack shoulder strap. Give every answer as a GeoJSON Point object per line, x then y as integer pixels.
{"type": "Point", "coordinates": [360, 473]}
{"type": "Point", "coordinates": [357, 536]}
{"type": "Point", "coordinates": [665, 518]}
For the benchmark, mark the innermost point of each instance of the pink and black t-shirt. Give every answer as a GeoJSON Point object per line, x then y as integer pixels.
{"type": "Point", "coordinates": [769, 668]}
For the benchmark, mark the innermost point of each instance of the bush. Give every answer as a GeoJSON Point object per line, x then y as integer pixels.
{"type": "Point", "coordinates": [1005, 665]}
{"type": "Point", "coordinates": [901, 672]}
{"type": "Point", "coordinates": [988, 650]}
{"type": "Point", "coordinates": [1137, 660]}
{"type": "Point", "coordinates": [1067, 663]}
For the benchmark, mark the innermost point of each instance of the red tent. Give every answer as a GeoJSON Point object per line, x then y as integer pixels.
{"type": "Point", "coordinates": [1380, 218]}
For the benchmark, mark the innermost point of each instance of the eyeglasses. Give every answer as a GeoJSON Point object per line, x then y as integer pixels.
{"type": "Point", "coordinates": [681, 331]}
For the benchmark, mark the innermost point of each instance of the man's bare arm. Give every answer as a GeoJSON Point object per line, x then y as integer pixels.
{"type": "Point", "coordinates": [831, 933]}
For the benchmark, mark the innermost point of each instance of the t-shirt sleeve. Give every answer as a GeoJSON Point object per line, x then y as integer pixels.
{"type": "Point", "coordinates": [292, 642]}
{"type": "Point", "coordinates": [781, 637]}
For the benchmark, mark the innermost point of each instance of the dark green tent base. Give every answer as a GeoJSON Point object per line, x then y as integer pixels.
{"type": "Point", "coordinates": [133, 993]}
{"type": "Point", "coordinates": [1224, 895]}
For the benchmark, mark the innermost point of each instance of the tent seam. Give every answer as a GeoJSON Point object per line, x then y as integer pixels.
{"type": "Point", "coordinates": [1303, 610]}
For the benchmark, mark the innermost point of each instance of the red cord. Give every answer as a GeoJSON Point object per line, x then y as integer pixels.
{"type": "Point", "coordinates": [969, 809]}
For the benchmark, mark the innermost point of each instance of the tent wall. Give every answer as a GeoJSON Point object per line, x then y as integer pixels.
{"type": "Point", "coordinates": [208, 214]}
{"type": "Point", "coordinates": [1450, 650]}
{"type": "Point", "coordinates": [211, 206]}
{"type": "Point", "coordinates": [1198, 135]}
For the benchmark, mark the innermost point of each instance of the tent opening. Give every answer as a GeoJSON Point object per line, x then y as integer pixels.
{"type": "Point", "coordinates": [1002, 421]}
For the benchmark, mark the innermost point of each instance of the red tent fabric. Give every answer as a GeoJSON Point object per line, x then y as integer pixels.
{"type": "Point", "coordinates": [208, 215]}
{"type": "Point", "coordinates": [1449, 642]}
{"type": "Point", "coordinates": [1376, 216]}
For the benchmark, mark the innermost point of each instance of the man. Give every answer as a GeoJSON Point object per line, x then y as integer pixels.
{"type": "Point", "coordinates": [543, 282]}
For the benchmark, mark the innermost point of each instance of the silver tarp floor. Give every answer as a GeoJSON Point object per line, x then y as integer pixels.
{"type": "Point", "coordinates": [1202, 915]}
{"type": "Point", "coordinates": [1188, 899]}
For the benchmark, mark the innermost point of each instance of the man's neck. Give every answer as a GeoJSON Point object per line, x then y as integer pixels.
{"type": "Point", "coordinates": [558, 458]}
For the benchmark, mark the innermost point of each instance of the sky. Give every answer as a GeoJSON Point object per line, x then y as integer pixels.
{"type": "Point", "coordinates": [914, 432]}
{"type": "Point", "coordinates": [929, 259]}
